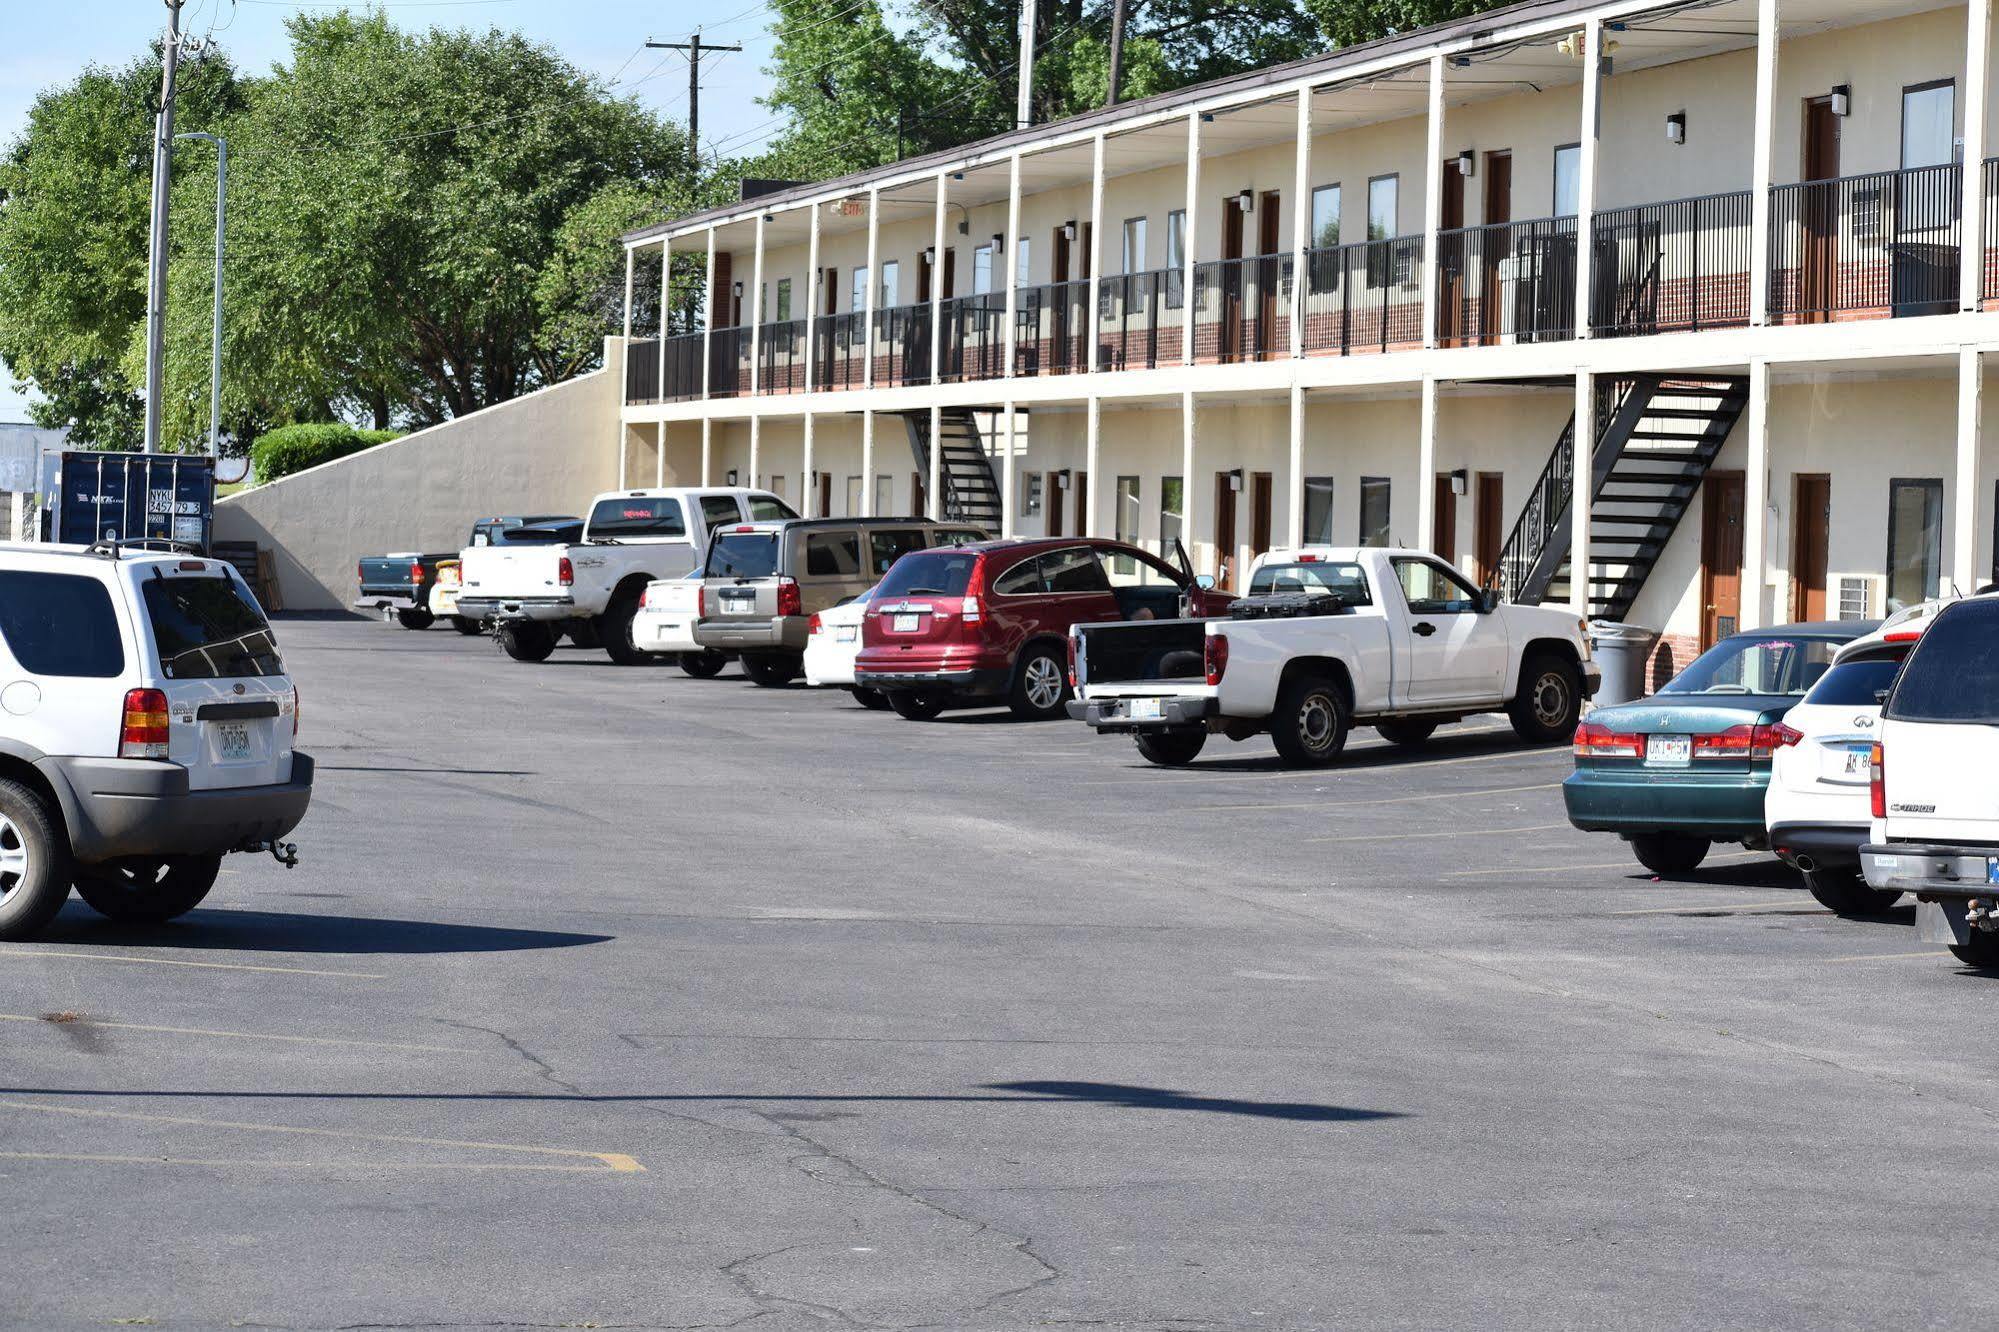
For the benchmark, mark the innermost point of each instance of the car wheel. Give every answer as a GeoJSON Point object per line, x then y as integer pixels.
{"type": "Point", "coordinates": [913, 705]}
{"type": "Point", "coordinates": [1844, 893]}
{"type": "Point", "coordinates": [525, 640]}
{"type": "Point", "coordinates": [1549, 702]}
{"type": "Point", "coordinates": [614, 631]}
{"type": "Point", "coordinates": [583, 633]}
{"type": "Point", "coordinates": [1980, 950]}
{"type": "Point", "coordinates": [772, 670]}
{"type": "Point", "coordinates": [146, 890]}
{"type": "Point", "coordinates": [466, 625]}
{"type": "Point", "coordinates": [415, 619]}
{"type": "Point", "coordinates": [34, 863]}
{"type": "Point", "coordinates": [871, 699]}
{"type": "Point", "coordinates": [1040, 686]}
{"type": "Point", "coordinates": [1309, 725]}
{"type": "Point", "coordinates": [703, 665]}
{"type": "Point", "coordinates": [1669, 853]}
{"type": "Point", "coordinates": [1408, 734]}
{"type": "Point", "coordinates": [1170, 749]}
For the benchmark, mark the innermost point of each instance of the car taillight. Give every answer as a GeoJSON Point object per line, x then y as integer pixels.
{"type": "Point", "coordinates": [971, 611]}
{"type": "Point", "coordinates": [144, 732]}
{"type": "Point", "coordinates": [645, 596]}
{"type": "Point", "coordinates": [416, 572]}
{"type": "Point", "coordinates": [360, 573]}
{"type": "Point", "coordinates": [295, 708]}
{"type": "Point", "coordinates": [1215, 657]}
{"type": "Point", "coordinates": [700, 602]}
{"type": "Point", "coordinates": [1755, 743]}
{"type": "Point", "coordinates": [812, 626]}
{"type": "Point", "coordinates": [1877, 782]}
{"type": "Point", "coordinates": [565, 572]}
{"type": "Point", "coordinates": [1783, 737]}
{"type": "Point", "coordinates": [789, 601]}
{"type": "Point", "coordinates": [1074, 682]}
{"type": "Point", "coordinates": [1594, 740]}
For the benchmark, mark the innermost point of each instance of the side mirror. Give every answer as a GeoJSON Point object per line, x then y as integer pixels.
{"type": "Point", "coordinates": [1206, 582]}
{"type": "Point", "coordinates": [1488, 601]}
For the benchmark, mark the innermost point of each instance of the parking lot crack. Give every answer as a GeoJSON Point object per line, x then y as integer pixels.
{"type": "Point", "coordinates": [541, 1066]}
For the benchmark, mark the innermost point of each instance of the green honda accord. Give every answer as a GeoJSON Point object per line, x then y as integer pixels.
{"type": "Point", "coordinates": [1677, 772]}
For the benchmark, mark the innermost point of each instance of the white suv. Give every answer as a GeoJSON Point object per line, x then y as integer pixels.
{"type": "Point", "coordinates": [146, 729]}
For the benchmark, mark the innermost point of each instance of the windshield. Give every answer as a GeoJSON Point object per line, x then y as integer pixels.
{"type": "Point", "coordinates": [1861, 682]}
{"type": "Point", "coordinates": [1345, 581]}
{"type": "Point", "coordinates": [208, 629]}
{"type": "Point", "coordinates": [1953, 675]}
{"type": "Point", "coordinates": [769, 509]}
{"type": "Point", "coordinates": [931, 573]}
{"type": "Point", "coordinates": [637, 516]}
{"type": "Point", "coordinates": [743, 555]}
{"type": "Point", "coordinates": [1779, 667]}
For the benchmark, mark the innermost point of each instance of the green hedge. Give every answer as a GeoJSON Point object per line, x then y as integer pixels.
{"type": "Point", "coordinates": [294, 448]}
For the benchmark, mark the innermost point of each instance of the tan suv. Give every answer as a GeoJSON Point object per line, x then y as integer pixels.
{"type": "Point", "coordinates": [763, 582]}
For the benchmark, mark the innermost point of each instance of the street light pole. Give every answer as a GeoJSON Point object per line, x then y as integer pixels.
{"type": "Point", "coordinates": [215, 349]}
{"type": "Point", "coordinates": [156, 262]}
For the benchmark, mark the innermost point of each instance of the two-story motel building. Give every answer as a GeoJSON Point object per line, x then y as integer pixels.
{"type": "Point", "coordinates": [1344, 300]}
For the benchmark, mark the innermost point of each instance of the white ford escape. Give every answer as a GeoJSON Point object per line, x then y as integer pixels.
{"type": "Point", "coordinates": [146, 730]}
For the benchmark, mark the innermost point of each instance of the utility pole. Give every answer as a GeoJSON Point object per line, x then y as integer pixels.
{"type": "Point", "coordinates": [1023, 114]}
{"type": "Point", "coordinates": [695, 49]}
{"type": "Point", "coordinates": [215, 346]}
{"type": "Point", "coordinates": [1117, 52]}
{"type": "Point", "coordinates": [156, 262]}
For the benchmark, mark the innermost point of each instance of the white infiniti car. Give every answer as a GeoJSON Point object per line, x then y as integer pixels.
{"type": "Point", "coordinates": [833, 643]}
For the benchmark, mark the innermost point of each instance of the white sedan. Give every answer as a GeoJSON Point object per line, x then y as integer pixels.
{"type": "Point", "coordinates": [664, 624]}
{"type": "Point", "coordinates": [833, 643]}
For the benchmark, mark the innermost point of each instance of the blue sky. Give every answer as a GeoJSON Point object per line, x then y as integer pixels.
{"type": "Point", "coordinates": [49, 43]}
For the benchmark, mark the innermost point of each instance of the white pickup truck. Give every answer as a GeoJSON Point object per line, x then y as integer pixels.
{"type": "Point", "coordinates": [1329, 637]}
{"type": "Point", "coordinates": [591, 590]}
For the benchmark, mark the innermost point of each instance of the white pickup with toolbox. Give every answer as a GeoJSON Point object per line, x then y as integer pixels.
{"type": "Point", "coordinates": [534, 594]}
{"type": "Point", "coordinates": [1328, 638]}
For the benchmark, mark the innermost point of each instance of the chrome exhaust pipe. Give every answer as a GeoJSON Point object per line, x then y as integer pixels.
{"type": "Point", "coordinates": [1804, 862]}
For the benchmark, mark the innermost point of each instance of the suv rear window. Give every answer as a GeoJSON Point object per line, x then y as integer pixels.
{"type": "Point", "coordinates": [637, 517]}
{"type": "Point", "coordinates": [1953, 674]}
{"type": "Point", "coordinates": [769, 509]}
{"type": "Point", "coordinates": [942, 572]}
{"type": "Point", "coordinates": [832, 555]}
{"type": "Point", "coordinates": [1858, 681]}
{"type": "Point", "coordinates": [743, 555]}
{"type": "Point", "coordinates": [207, 629]}
{"type": "Point", "coordinates": [60, 624]}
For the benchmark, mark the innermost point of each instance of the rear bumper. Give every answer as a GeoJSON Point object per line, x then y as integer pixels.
{"type": "Point", "coordinates": [1830, 845]}
{"type": "Point", "coordinates": [518, 608]}
{"type": "Point", "coordinates": [400, 600]}
{"type": "Point", "coordinates": [1723, 807]}
{"type": "Point", "coordinates": [1113, 715]}
{"type": "Point", "coordinates": [780, 633]}
{"type": "Point", "coordinates": [958, 681]}
{"type": "Point", "coordinates": [1931, 872]}
{"type": "Point", "coordinates": [128, 807]}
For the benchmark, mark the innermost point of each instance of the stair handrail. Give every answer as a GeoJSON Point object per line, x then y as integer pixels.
{"type": "Point", "coordinates": [1547, 503]}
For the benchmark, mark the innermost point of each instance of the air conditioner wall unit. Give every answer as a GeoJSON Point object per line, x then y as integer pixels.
{"type": "Point", "coordinates": [1860, 596]}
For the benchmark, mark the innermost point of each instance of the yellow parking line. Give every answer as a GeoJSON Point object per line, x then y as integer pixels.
{"type": "Point", "coordinates": [1353, 804]}
{"type": "Point", "coordinates": [1886, 957]}
{"type": "Point", "coordinates": [98, 1158]}
{"type": "Point", "coordinates": [177, 962]}
{"type": "Point", "coordinates": [1708, 906]}
{"type": "Point", "coordinates": [1611, 864]}
{"type": "Point", "coordinates": [249, 1035]}
{"type": "Point", "coordinates": [1394, 836]}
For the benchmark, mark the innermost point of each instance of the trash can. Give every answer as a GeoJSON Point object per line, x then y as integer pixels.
{"type": "Point", "coordinates": [1622, 651]}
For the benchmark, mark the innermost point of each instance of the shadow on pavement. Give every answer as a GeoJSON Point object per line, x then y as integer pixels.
{"type": "Point", "coordinates": [283, 932]}
{"type": "Point", "coordinates": [1165, 1098]}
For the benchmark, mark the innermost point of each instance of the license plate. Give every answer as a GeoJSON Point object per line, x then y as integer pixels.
{"type": "Point", "coordinates": [843, 633]}
{"type": "Point", "coordinates": [232, 740]}
{"type": "Point", "coordinates": [905, 624]}
{"type": "Point", "coordinates": [1845, 765]}
{"type": "Point", "coordinates": [739, 605]}
{"type": "Point", "coordinates": [1145, 709]}
{"type": "Point", "coordinates": [1669, 749]}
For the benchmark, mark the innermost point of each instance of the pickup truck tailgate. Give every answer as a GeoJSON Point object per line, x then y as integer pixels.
{"type": "Point", "coordinates": [1141, 656]}
{"type": "Point", "coordinates": [511, 571]}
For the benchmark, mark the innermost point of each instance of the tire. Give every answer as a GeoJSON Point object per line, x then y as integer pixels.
{"type": "Point", "coordinates": [147, 890]}
{"type": "Point", "coordinates": [1408, 734]}
{"type": "Point", "coordinates": [34, 862]}
{"type": "Point", "coordinates": [525, 640]}
{"type": "Point", "coordinates": [1669, 853]}
{"type": "Point", "coordinates": [1982, 951]}
{"type": "Point", "coordinates": [1309, 725]}
{"type": "Point", "coordinates": [614, 631]}
{"type": "Point", "coordinates": [1844, 893]}
{"type": "Point", "coordinates": [772, 670]}
{"type": "Point", "coordinates": [703, 665]}
{"type": "Point", "coordinates": [583, 633]}
{"type": "Point", "coordinates": [1549, 702]}
{"type": "Point", "coordinates": [1040, 686]}
{"type": "Point", "coordinates": [1170, 749]}
{"type": "Point", "coordinates": [913, 705]}
{"type": "Point", "coordinates": [415, 619]}
{"type": "Point", "coordinates": [467, 626]}
{"type": "Point", "coordinates": [871, 699]}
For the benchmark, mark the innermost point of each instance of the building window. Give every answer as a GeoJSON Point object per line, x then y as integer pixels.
{"type": "Point", "coordinates": [1023, 251]}
{"type": "Point", "coordinates": [1030, 494]}
{"type": "Point", "coordinates": [1172, 510]}
{"type": "Point", "coordinates": [1929, 124]}
{"type": "Point", "coordinates": [783, 299]}
{"type": "Point", "coordinates": [774, 483]}
{"type": "Point", "coordinates": [982, 270]}
{"type": "Point", "coordinates": [1176, 256]}
{"type": "Point", "coordinates": [853, 497]}
{"type": "Point", "coordinates": [860, 293]}
{"type": "Point", "coordinates": [1319, 510]}
{"type": "Point", "coordinates": [1382, 208]}
{"type": "Point", "coordinates": [1568, 179]}
{"type": "Point", "coordinates": [763, 303]}
{"type": "Point", "coordinates": [1374, 511]}
{"type": "Point", "coordinates": [1134, 245]}
{"type": "Point", "coordinates": [891, 281]}
{"type": "Point", "coordinates": [1326, 216]}
{"type": "Point", "coordinates": [1915, 540]}
{"type": "Point", "coordinates": [1127, 508]}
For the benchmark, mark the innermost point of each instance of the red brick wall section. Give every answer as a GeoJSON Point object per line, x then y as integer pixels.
{"type": "Point", "coordinates": [1669, 658]}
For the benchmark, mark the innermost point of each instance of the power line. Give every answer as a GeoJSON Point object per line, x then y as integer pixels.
{"type": "Point", "coordinates": [693, 48]}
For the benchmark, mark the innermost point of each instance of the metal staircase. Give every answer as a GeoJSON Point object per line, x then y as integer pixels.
{"type": "Point", "coordinates": [971, 488]}
{"type": "Point", "coordinates": [1656, 436]}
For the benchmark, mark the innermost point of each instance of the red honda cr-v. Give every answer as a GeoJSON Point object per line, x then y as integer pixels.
{"type": "Point", "coordinates": [989, 622]}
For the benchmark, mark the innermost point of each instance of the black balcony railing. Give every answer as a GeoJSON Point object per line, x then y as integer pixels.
{"type": "Point", "coordinates": [683, 366]}
{"type": "Point", "coordinates": [1672, 267]}
{"type": "Point", "coordinates": [642, 370]}
{"type": "Point", "coordinates": [729, 362]}
{"type": "Point", "coordinates": [1052, 328]}
{"type": "Point", "coordinates": [1242, 308]}
{"type": "Point", "coordinates": [840, 351]}
{"type": "Point", "coordinates": [1988, 286]}
{"type": "Point", "coordinates": [1364, 297]}
{"type": "Point", "coordinates": [1507, 282]}
{"type": "Point", "coordinates": [1882, 244]}
{"type": "Point", "coordinates": [781, 357]}
{"type": "Point", "coordinates": [974, 332]}
{"type": "Point", "coordinates": [901, 346]}
{"type": "Point", "coordinates": [1140, 319]}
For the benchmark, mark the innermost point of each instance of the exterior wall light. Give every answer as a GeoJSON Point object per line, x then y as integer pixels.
{"type": "Point", "coordinates": [999, 243]}
{"type": "Point", "coordinates": [1235, 479]}
{"type": "Point", "coordinates": [737, 289]}
{"type": "Point", "coordinates": [732, 476]}
{"type": "Point", "coordinates": [1245, 201]}
{"type": "Point", "coordinates": [1460, 481]}
{"type": "Point", "coordinates": [1062, 479]}
{"type": "Point", "coordinates": [1842, 99]}
{"type": "Point", "coordinates": [1069, 230]}
{"type": "Point", "coordinates": [1676, 127]}
{"type": "Point", "coordinates": [930, 254]}
{"type": "Point", "coordinates": [1467, 164]}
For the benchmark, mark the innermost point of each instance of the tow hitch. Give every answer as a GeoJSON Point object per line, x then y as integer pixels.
{"type": "Point", "coordinates": [285, 853]}
{"type": "Point", "coordinates": [1981, 915]}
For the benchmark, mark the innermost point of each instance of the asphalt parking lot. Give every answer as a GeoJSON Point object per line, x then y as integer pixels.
{"type": "Point", "coordinates": [608, 997]}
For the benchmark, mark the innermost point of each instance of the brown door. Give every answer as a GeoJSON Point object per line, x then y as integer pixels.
{"type": "Point", "coordinates": [923, 282]}
{"type": "Point", "coordinates": [1810, 528]}
{"type": "Point", "coordinates": [1455, 256]}
{"type": "Point", "coordinates": [1498, 212]}
{"type": "Point", "coordinates": [1721, 556]}
{"type": "Point", "coordinates": [729, 311]}
{"type": "Point", "coordinates": [1082, 489]}
{"type": "Point", "coordinates": [1052, 504]}
{"type": "Point", "coordinates": [1058, 257]}
{"type": "Point", "coordinates": [1259, 513]}
{"type": "Point", "coordinates": [919, 501]}
{"type": "Point", "coordinates": [1444, 526]}
{"type": "Point", "coordinates": [1225, 552]}
{"type": "Point", "coordinates": [1819, 212]}
{"type": "Point", "coordinates": [1229, 336]}
{"type": "Point", "coordinates": [1489, 526]}
{"type": "Point", "coordinates": [825, 495]}
{"type": "Point", "coordinates": [1267, 268]}
{"type": "Point", "coordinates": [950, 274]}
{"type": "Point", "coordinates": [831, 298]}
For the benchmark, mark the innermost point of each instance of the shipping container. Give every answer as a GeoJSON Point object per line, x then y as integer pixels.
{"type": "Point", "coordinates": [128, 497]}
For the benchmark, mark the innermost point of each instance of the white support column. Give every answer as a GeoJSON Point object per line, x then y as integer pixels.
{"type": "Point", "coordinates": [624, 451]}
{"type": "Point", "coordinates": [1188, 490]}
{"type": "Point", "coordinates": [629, 252]}
{"type": "Point", "coordinates": [873, 286]}
{"type": "Point", "coordinates": [659, 458]}
{"type": "Point", "coordinates": [1295, 487]}
{"type": "Point", "coordinates": [1301, 228]}
{"type": "Point", "coordinates": [1095, 255]}
{"type": "Point", "coordinates": [1589, 133]}
{"type": "Point", "coordinates": [1188, 235]}
{"type": "Point", "coordinates": [755, 477]}
{"type": "Point", "coordinates": [1581, 490]}
{"type": "Point", "coordinates": [812, 300]}
{"type": "Point", "coordinates": [709, 302]}
{"type": "Point", "coordinates": [1977, 90]}
{"type": "Point", "coordinates": [1756, 499]}
{"type": "Point", "coordinates": [937, 308]}
{"type": "Point", "coordinates": [756, 303]}
{"type": "Point", "coordinates": [1426, 465]}
{"type": "Point", "coordinates": [868, 465]}
{"type": "Point", "coordinates": [1433, 198]}
{"type": "Point", "coordinates": [1007, 469]}
{"type": "Point", "coordinates": [1760, 154]}
{"type": "Point", "coordinates": [665, 309]}
{"type": "Point", "coordinates": [1967, 483]}
{"type": "Point", "coordinates": [1009, 261]}
{"type": "Point", "coordinates": [707, 452]}
{"type": "Point", "coordinates": [933, 484]}
{"type": "Point", "coordinates": [809, 501]}
{"type": "Point", "coordinates": [1094, 424]}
